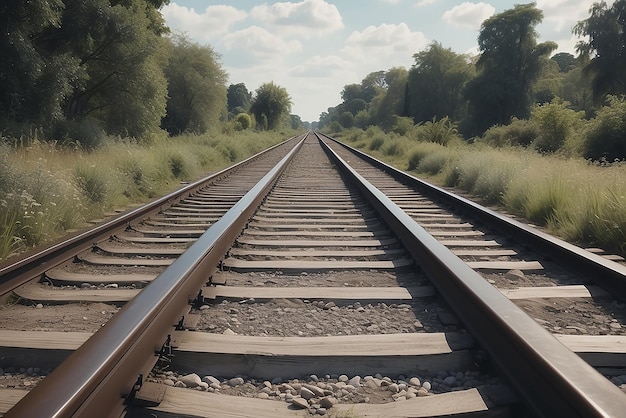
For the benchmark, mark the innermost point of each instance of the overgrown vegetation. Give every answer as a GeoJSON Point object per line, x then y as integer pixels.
{"type": "Point", "coordinates": [47, 189]}
{"type": "Point", "coordinates": [574, 198]}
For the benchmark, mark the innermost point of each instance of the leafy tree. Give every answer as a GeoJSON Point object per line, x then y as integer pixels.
{"type": "Point", "coordinates": [565, 60]}
{"type": "Point", "coordinates": [604, 49]}
{"type": "Point", "coordinates": [121, 51]}
{"type": "Point", "coordinates": [509, 65]}
{"type": "Point", "coordinates": [390, 101]}
{"type": "Point", "coordinates": [605, 133]}
{"type": "Point", "coordinates": [197, 88]}
{"type": "Point", "coordinates": [33, 82]}
{"type": "Point", "coordinates": [435, 83]}
{"type": "Point", "coordinates": [238, 97]}
{"type": "Point", "coordinates": [346, 119]}
{"type": "Point", "coordinates": [95, 60]}
{"type": "Point", "coordinates": [271, 105]}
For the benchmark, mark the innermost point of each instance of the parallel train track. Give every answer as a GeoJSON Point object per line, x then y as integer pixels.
{"type": "Point", "coordinates": [368, 292]}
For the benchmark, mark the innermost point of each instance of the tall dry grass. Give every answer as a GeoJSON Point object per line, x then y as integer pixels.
{"type": "Point", "coordinates": [576, 200]}
{"type": "Point", "coordinates": [47, 189]}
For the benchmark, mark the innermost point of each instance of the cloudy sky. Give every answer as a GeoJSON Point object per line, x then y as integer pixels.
{"type": "Point", "coordinates": [313, 48]}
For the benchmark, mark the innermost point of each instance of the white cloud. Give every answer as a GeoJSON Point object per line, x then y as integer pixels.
{"type": "Point", "coordinates": [562, 15]}
{"type": "Point", "coordinates": [468, 15]}
{"type": "Point", "coordinates": [305, 19]}
{"type": "Point", "coordinates": [384, 46]}
{"type": "Point", "coordinates": [321, 66]}
{"type": "Point", "coordinates": [214, 21]}
{"type": "Point", "coordinates": [260, 43]}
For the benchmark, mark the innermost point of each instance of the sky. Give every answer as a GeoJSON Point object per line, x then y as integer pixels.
{"type": "Point", "coordinates": [313, 48]}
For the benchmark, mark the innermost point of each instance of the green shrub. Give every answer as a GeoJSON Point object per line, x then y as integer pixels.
{"type": "Point", "coordinates": [556, 123]}
{"type": "Point", "coordinates": [402, 125]}
{"type": "Point", "coordinates": [376, 143]}
{"type": "Point", "coordinates": [242, 122]}
{"type": "Point", "coordinates": [606, 134]}
{"type": "Point", "coordinates": [393, 148]}
{"type": "Point", "coordinates": [440, 131]}
{"type": "Point", "coordinates": [519, 132]}
{"type": "Point", "coordinates": [432, 163]}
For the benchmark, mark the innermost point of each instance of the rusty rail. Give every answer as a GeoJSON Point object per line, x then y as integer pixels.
{"type": "Point", "coordinates": [94, 380]}
{"type": "Point", "coordinates": [552, 380]}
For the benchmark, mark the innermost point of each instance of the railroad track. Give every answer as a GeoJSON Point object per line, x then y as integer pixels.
{"type": "Point", "coordinates": [327, 280]}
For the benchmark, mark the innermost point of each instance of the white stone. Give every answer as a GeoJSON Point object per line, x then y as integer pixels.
{"type": "Point", "coordinates": [210, 379]}
{"type": "Point", "coordinates": [236, 381]}
{"type": "Point", "coordinates": [306, 394]}
{"type": "Point", "coordinates": [328, 402]}
{"type": "Point", "coordinates": [300, 403]}
{"type": "Point", "coordinates": [414, 381]}
{"type": "Point", "coordinates": [190, 380]}
{"type": "Point", "coordinates": [355, 381]}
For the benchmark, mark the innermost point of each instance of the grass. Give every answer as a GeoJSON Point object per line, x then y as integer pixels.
{"type": "Point", "coordinates": [47, 189]}
{"type": "Point", "coordinates": [574, 199]}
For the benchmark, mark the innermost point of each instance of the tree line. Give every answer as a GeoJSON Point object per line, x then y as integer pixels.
{"type": "Point", "coordinates": [82, 69]}
{"type": "Point", "coordinates": [513, 79]}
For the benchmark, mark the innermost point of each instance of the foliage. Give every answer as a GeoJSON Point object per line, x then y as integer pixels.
{"type": "Point", "coordinates": [390, 100]}
{"type": "Point", "coordinates": [519, 132]}
{"type": "Point", "coordinates": [435, 83]}
{"type": "Point", "coordinates": [509, 65]}
{"type": "Point", "coordinates": [402, 125]}
{"type": "Point", "coordinates": [604, 48]}
{"type": "Point", "coordinates": [238, 97]}
{"type": "Point", "coordinates": [346, 119]}
{"type": "Point", "coordinates": [565, 61]}
{"type": "Point", "coordinates": [605, 137]}
{"type": "Point", "coordinates": [440, 131]}
{"type": "Point", "coordinates": [243, 121]}
{"type": "Point", "coordinates": [270, 105]}
{"type": "Point", "coordinates": [46, 189]}
{"type": "Point", "coordinates": [197, 90]}
{"type": "Point", "coordinates": [69, 60]}
{"type": "Point", "coordinates": [556, 123]}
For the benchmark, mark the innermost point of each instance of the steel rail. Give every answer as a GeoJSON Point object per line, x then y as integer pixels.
{"type": "Point", "coordinates": [94, 379]}
{"type": "Point", "coordinates": [17, 271]}
{"type": "Point", "coordinates": [553, 380]}
{"type": "Point", "coordinates": [606, 273]}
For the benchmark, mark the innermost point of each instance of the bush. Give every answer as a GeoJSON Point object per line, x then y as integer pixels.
{"type": "Point", "coordinates": [376, 143]}
{"type": "Point", "coordinates": [606, 135]}
{"type": "Point", "coordinates": [519, 132]}
{"type": "Point", "coordinates": [242, 122]}
{"type": "Point", "coordinates": [556, 123]}
{"type": "Point", "coordinates": [402, 125]}
{"type": "Point", "coordinates": [440, 131]}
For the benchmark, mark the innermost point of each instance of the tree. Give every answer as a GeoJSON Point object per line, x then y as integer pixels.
{"type": "Point", "coordinates": [197, 88]}
{"type": "Point", "coordinates": [66, 62]}
{"type": "Point", "coordinates": [604, 51]}
{"type": "Point", "coordinates": [435, 83]}
{"type": "Point", "coordinates": [390, 102]}
{"type": "Point", "coordinates": [271, 105]}
{"type": "Point", "coordinates": [34, 83]}
{"type": "Point", "coordinates": [565, 60]}
{"type": "Point", "coordinates": [509, 65]}
{"type": "Point", "coordinates": [238, 98]}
